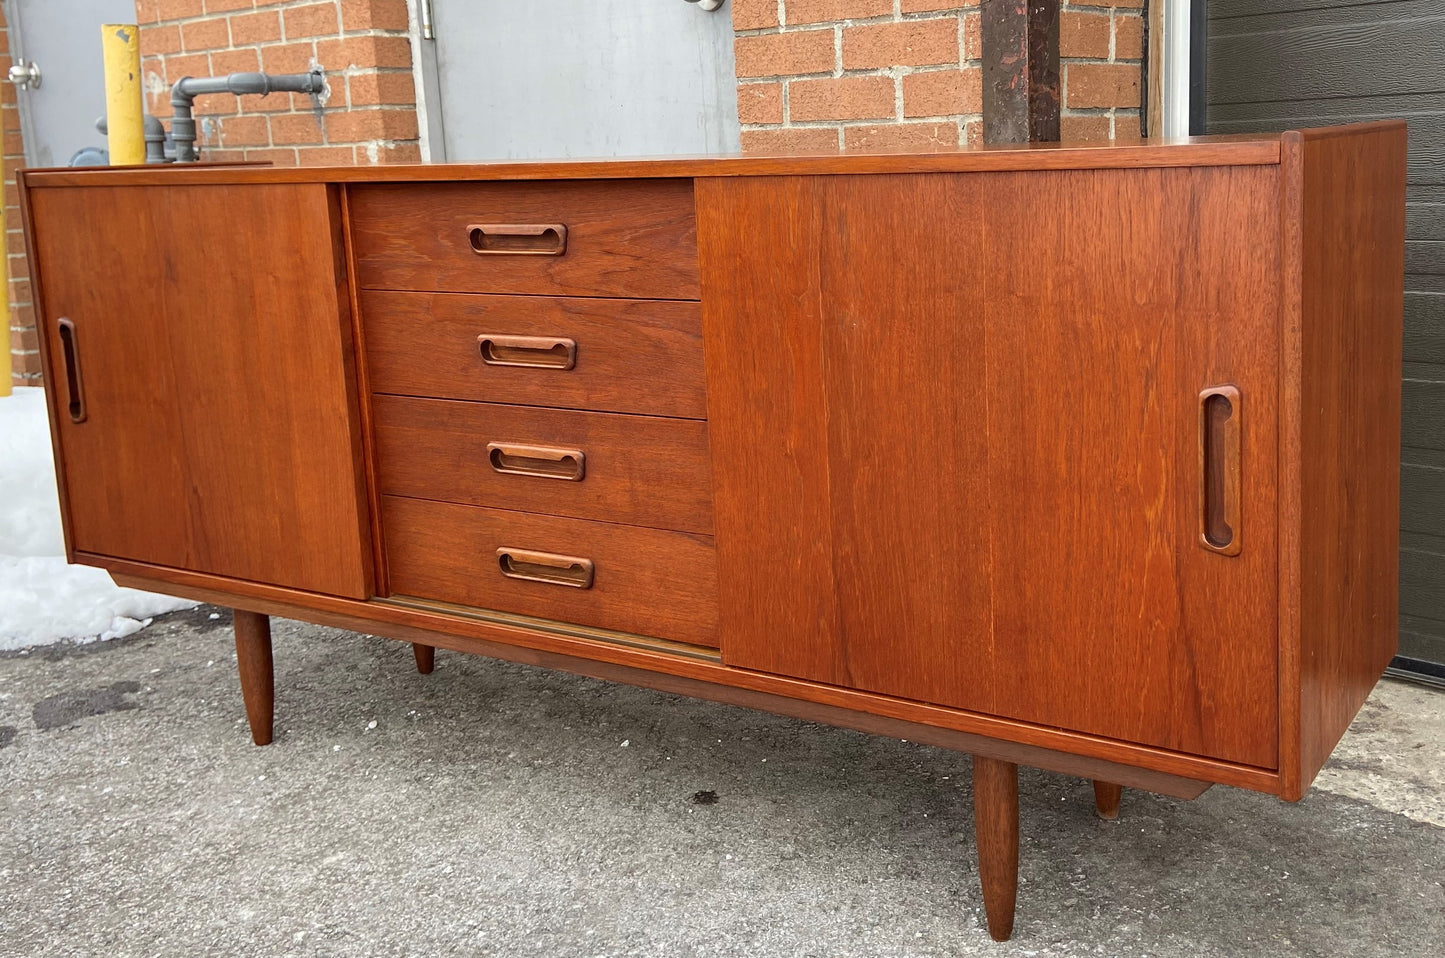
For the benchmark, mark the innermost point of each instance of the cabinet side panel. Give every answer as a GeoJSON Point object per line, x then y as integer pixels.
{"type": "Point", "coordinates": [1351, 317]}
{"type": "Point", "coordinates": [47, 361]}
{"type": "Point", "coordinates": [758, 245]}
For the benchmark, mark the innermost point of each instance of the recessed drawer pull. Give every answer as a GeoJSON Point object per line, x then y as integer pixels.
{"type": "Point", "coordinates": [546, 567]}
{"type": "Point", "coordinates": [543, 239]}
{"type": "Point", "coordinates": [543, 462]}
{"type": "Point", "coordinates": [70, 353]}
{"type": "Point", "coordinates": [535, 352]}
{"type": "Point", "coordinates": [1220, 493]}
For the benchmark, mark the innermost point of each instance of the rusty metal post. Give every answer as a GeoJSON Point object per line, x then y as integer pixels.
{"type": "Point", "coordinates": [1020, 71]}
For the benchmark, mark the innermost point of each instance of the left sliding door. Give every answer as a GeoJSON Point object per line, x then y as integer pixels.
{"type": "Point", "coordinates": [197, 343]}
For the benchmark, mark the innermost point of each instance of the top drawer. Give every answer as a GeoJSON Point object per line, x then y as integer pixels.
{"type": "Point", "coordinates": [633, 238]}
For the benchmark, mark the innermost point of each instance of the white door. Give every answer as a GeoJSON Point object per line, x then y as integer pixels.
{"type": "Point", "coordinates": [557, 78]}
{"type": "Point", "coordinates": [62, 37]}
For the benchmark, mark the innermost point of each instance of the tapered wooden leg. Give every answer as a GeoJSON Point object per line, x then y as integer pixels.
{"type": "Point", "coordinates": [258, 681]}
{"type": "Point", "coordinates": [1106, 799]}
{"type": "Point", "coordinates": [996, 822]}
{"type": "Point", "coordinates": [426, 657]}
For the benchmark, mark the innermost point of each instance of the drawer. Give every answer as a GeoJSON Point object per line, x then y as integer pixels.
{"type": "Point", "coordinates": [639, 470]}
{"type": "Point", "coordinates": [624, 578]}
{"type": "Point", "coordinates": [634, 238]}
{"type": "Point", "coordinates": [614, 355]}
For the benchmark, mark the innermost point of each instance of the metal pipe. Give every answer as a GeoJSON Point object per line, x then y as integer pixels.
{"type": "Point", "coordinates": [155, 138]}
{"type": "Point", "coordinates": [186, 89]}
{"type": "Point", "coordinates": [1175, 53]}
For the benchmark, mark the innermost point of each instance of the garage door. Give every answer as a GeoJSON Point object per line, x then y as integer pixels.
{"type": "Point", "coordinates": [1280, 64]}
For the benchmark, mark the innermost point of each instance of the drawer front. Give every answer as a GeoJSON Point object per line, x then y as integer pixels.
{"type": "Point", "coordinates": [613, 355]}
{"type": "Point", "coordinates": [635, 238]}
{"type": "Point", "coordinates": [642, 581]}
{"type": "Point", "coordinates": [638, 470]}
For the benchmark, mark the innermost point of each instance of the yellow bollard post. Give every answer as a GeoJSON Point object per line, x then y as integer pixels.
{"type": "Point", "coordinates": [125, 128]}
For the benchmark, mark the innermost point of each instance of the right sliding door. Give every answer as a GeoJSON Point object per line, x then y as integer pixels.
{"type": "Point", "coordinates": [1004, 442]}
{"type": "Point", "coordinates": [1131, 321]}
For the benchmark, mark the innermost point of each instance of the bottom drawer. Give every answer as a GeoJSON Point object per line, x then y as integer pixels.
{"type": "Point", "coordinates": [599, 574]}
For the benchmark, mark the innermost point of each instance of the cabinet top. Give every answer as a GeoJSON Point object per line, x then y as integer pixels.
{"type": "Point", "coordinates": [1258, 149]}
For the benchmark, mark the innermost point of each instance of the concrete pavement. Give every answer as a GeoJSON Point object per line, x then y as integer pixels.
{"type": "Point", "coordinates": [494, 809]}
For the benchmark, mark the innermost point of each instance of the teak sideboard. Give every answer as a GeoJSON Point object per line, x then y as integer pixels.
{"type": "Point", "coordinates": [1079, 458]}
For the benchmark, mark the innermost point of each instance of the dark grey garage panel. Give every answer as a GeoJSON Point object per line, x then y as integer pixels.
{"type": "Point", "coordinates": [1319, 60]}
{"type": "Point", "coordinates": [1420, 571]}
{"type": "Point", "coordinates": [1425, 259]}
{"type": "Point", "coordinates": [1427, 222]}
{"type": "Point", "coordinates": [1425, 327]}
{"type": "Point", "coordinates": [1423, 416]}
{"type": "Point", "coordinates": [1237, 9]}
{"type": "Point", "coordinates": [1287, 64]}
{"type": "Point", "coordinates": [1422, 499]}
{"type": "Point", "coordinates": [1424, 645]}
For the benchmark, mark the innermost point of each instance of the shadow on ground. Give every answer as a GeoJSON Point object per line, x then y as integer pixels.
{"type": "Point", "coordinates": [495, 809]}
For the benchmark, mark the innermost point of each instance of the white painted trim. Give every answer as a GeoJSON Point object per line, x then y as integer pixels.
{"type": "Point", "coordinates": [428, 88]}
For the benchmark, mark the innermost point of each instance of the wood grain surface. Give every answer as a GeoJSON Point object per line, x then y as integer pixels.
{"type": "Point", "coordinates": [258, 675]}
{"type": "Point", "coordinates": [362, 385]}
{"type": "Point", "coordinates": [636, 356]}
{"type": "Point", "coordinates": [630, 238]}
{"type": "Point", "coordinates": [1108, 613]}
{"type": "Point", "coordinates": [647, 581]}
{"type": "Point", "coordinates": [1107, 796]}
{"type": "Point", "coordinates": [214, 333]}
{"type": "Point", "coordinates": [638, 470]}
{"type": "Point", "coordinates": [763, 322]}
{"type": "Point", "coordinates": [1026, 407]}
{"type": "Point", "coordinates": [996, 828]}
{"type": "Point", "coordinates": [1247, 150]}
{"type": "Point", "coordinates": [1349, 286]}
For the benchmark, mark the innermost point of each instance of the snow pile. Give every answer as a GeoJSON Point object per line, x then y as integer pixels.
{"type": "Point", "coordinates": [43, 600]}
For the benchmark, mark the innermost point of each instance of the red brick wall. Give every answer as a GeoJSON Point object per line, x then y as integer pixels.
{"type": "Point", "coordinates": [368, 114]}
{"type": "Point", "coordinates": [1100, 52]}
{"type": "Point", "coordinates": [866, 74]}
{"type": "Point", "coordinates": [24, 354]}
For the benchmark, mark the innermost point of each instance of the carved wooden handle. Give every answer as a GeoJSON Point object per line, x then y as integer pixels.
{"type": "Point", "coordinates": [544, 462]}
{"type": "Point", "coordinates": [517, 239]}
{"type": "Point", "coordinates": [75, 386]}
{"type": "Point", "coordinates": [546, 567]}
{"type": "Point", "coordinates": [535, 352]}
{"type": "Point", "coordinates": [1220, 492]}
